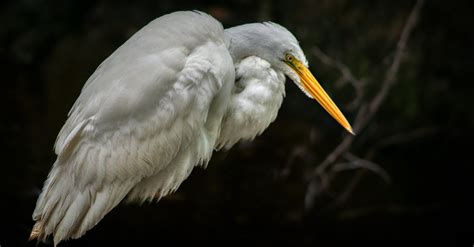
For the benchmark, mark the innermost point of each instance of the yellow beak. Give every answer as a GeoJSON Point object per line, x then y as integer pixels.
{"type": "Point", "coordinates": [313, 87]}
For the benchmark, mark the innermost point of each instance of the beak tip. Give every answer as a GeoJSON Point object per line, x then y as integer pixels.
{"type": "Point", "coordinates": [313, 89]}
{"type": "Point", "coordinates": [350, 130]}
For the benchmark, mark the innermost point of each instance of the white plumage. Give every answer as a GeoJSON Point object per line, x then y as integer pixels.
{"type": "Point", "coordinates": [177, 90]}
{"type": "Point", "coordinates": [257, 96]}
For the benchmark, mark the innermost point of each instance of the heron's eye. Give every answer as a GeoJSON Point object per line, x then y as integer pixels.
{"type": "Point", "coordinates": [289, 58]}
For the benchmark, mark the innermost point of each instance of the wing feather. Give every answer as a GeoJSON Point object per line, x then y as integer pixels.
{"type": "Point", "coordinates": [144, 105]}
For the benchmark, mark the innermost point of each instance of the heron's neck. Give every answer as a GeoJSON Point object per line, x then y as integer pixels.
{"type": "Point", "coordinates": [245, 42]}
{"type": "Point", "coordinates": [254, 103]}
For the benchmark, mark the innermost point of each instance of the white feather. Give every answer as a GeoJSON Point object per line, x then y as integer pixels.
{"type": "Point", "coordinates": [155, 109]}
{"type": "Point", "coordinates": [255, 101]}
{"type": "Point", "coordinates": [136, 116]}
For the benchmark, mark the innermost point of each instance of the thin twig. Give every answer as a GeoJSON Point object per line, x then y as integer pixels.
{"type": "Point", "coordinates": [366, 111]}
{"type": "Point", "coordinates": [346, 75]}
{"type": "Point", "coordinates": [344, 69]}
{"type": "Point", "coordinates": [400, 138]}
{"type": "Point", "coordinates": [391, 140]}
{"type": "Point", "coordinates": [350, 187]}
{"type": "Point", "coordinates": [391, 74]}
{"type": "Point", "coordinates": [356, 162]}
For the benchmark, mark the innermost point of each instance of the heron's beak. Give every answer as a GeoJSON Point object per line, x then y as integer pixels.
{"type": "Point", "coordinates": [313, 87]}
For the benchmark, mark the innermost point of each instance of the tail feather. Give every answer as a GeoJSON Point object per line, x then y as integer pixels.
{"type": "Point", "coordinates": [36, 231]}
{"type": "Point", "coordinates": [66, 211]}
{"type": "Point", "coordinates": [72, 215]}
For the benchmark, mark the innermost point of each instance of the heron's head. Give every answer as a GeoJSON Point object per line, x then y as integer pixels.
{"type": "Point", "coordinates": [282, 50]}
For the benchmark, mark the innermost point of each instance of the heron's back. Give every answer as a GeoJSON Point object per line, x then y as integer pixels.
{"type": "Point", "coordinates": [151, 110]}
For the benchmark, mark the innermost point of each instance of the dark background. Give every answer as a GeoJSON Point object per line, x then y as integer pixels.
{"type": "Point", "coordinates": [255, 193]}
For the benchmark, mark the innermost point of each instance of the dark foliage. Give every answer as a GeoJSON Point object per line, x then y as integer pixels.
{"type": "Point", "coordinates": [255, 194]}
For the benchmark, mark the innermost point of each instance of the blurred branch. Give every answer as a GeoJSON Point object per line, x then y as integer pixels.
{"type": "Point", "coordinates": [367, 110]}
{"type": "Point", "coordinates": [394, 209]}
{"type": "Point", "coordinates": [388, 141]}
{"type": "Point", "coordinates": [401, 138]}
{"type": "Point", "coordinates": [350, 187]}
{"type": "Point", "coordinates": [344, 69]}
{"type": "Point", "coordinates": [391, 74]}
{"type": "Point", "coordinates": [346, 75]}
{"type": "Point", "coordinates": [356, 163]}
{"type": "Point", "coordinates": [299, 151]}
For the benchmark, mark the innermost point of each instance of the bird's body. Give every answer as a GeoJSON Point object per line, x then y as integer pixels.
{"type": "Point", "coordinates": [177, 90]}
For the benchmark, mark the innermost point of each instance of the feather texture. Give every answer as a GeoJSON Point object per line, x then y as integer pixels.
{"type": "Point", "coordinates": [158, 107]}
{"type": "Point", "coordinates": [255, 101]}
{"type": "Point", "coordinates": [139, 112]}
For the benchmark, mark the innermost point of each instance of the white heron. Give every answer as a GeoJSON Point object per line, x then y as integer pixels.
{"type": "Point", "coordinates": [178, 89]}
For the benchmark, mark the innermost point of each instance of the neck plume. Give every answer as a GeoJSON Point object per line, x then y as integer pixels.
{"type": "Point", "coordinates": [255, 102]}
